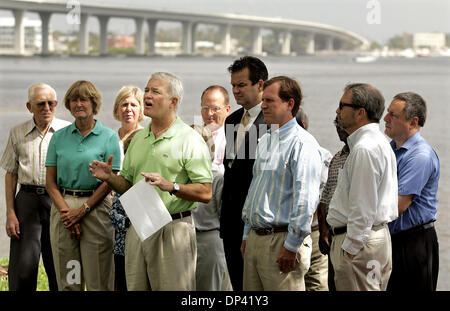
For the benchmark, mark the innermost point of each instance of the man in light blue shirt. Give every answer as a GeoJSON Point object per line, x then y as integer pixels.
{"type": "Point", "coordinates": [283, 195]}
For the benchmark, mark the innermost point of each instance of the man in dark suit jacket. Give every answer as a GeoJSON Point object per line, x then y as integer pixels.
{"type": "Point", "coordinates": [247, 76]}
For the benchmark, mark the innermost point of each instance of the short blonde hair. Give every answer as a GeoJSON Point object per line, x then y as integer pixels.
{"type": "Point", "coordinates": [125, 92]}
{"type": "Point", "coordinates": [84, 90]}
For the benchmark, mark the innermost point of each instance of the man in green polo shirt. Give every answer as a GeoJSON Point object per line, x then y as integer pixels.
{"type": "Point", "coordinates": [173, 157]}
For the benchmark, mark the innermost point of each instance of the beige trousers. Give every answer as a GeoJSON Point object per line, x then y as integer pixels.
{"type": "Point", "coordinates": [164, 261]}
{"type": "Point", "coordinates": [261, 270]}
{"type": "Point", "coordinates": [316, 279]}
{"type": "Point", "coordinates": [370, 269]}
{"type": "Point", "coordinates": [88, 261]}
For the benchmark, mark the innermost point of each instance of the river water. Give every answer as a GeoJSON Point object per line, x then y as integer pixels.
{"type": "Point", "coordinates": [322, 79]}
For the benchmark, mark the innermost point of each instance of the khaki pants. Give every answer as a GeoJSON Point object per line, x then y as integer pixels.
{"type": "Point", "coordinates": [88, 261]}
{"type": "Point", "coordinates": [316, 279]}
{"type": "Point", "coordinates": [164, 261]}
{"type": "Point", "coordinates": [261, 270]}
{"type": "Point", "coordinates": [370, 268]}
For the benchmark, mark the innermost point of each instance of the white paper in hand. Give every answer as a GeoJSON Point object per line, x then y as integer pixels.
{"type": "Point", "coordinates": [145, 209]}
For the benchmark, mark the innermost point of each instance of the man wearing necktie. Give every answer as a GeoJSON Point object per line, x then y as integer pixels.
{"type": "Point", "coordinates": [242, 130]}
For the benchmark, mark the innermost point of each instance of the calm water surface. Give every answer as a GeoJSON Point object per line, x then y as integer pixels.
{"type": "Point", "coordinates": [322, 80]}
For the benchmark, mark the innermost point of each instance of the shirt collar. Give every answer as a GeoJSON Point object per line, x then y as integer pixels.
{"type": "Point", "coordinates": [96, 130]}
{"type": "Point", "coordinates": [285, 128]}
{"type": "Point", "coordinates": [220, 130]}
{"type": "Point", "coordinates": [409, 143]}
{"type": "Point", "coordinates": [31, 125]}
{"type": "Point", "coordinates": [254, 111]}
{"type": "Point", "coordinates": [171, 131]}
{"type": "Point", "coordinates": [354, 137]}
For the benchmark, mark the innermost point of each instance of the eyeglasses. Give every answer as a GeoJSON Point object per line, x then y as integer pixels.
{"type": "Point", "coordinates": [51, 103]}
{"type": "Point", "coordinates": [354, 106]}
{"type": "Point", "coordinates": [213, 109]}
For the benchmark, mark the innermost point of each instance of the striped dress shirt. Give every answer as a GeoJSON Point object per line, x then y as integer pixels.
{"type": "Point", "coordinates": [285, 187]}
{"type": "Point", "coordinates": [26, 151]}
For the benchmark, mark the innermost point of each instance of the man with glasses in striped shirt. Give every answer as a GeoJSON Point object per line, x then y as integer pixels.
{"type": "Point", "coordinates": [283, 195]}
{"type": "Point", "coordinates": [28, 212]}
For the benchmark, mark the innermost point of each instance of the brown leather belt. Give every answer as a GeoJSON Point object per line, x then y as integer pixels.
{"type": "Point", "coordinates": [180, 215]}
{"type": "Point", "coordinates": [267, 231]}
{"type": "Point", "coordinates": [207, 230]}
{"type": "Point", "coordinates": [32, 188]}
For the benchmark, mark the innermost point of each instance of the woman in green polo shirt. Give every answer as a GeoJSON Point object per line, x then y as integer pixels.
{"type": "Point", "coordinates": [81, 232]}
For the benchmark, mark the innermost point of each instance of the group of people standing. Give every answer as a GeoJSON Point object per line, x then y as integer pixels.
{"type": "Point", "coordinates": [256, 203]}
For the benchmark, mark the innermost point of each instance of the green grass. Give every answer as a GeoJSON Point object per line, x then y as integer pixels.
{"type": "Point", "coordinates": [42, 282]}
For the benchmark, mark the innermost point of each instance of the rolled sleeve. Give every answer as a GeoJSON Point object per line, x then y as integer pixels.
{"type": "Point", "coordinates": [198, 160]}
{"type": "Point", "coordinates": [10, 161]}
{"type": "Point", "coordinates": [306, 167]}
{"type": "Point", "coordinates": [112, 148]}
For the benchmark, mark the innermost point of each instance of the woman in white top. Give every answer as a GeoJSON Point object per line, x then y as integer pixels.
{"type": "Point", "coordinates": [128, 109]}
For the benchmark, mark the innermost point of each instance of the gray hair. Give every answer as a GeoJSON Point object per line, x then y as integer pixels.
{"type": "Point", "coordinates": [302, 118]}
{"type": "Point", "coordinates": [415, 106]}
{"type": "Point", "coordinates": [368, 97]}
{"type": "Point", "coordinates": [33, 87]}
{"type": "Point", "coordinates": [175, 86]}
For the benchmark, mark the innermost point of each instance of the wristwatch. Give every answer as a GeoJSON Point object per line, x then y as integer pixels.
{"type": "Point", "coordinates": [176, 188]}
{"type": "Point", "coordinates": [87, 208]}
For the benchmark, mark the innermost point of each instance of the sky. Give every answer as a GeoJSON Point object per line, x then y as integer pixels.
{"type": "Point", "coordinates": [376, 20]}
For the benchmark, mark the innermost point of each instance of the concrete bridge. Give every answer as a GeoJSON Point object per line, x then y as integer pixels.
{"type": "Point", "coordinates": [286, 31]}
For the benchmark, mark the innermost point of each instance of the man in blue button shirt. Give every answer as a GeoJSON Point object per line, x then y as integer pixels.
{"type": "Point", "coordinates": [415, 250]}
{"type": "Point", "coordinates": [283, 195]}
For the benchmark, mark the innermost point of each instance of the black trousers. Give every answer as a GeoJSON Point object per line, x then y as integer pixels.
{"type": "Point", "coordinates": [235, 263]}
{"type": "Point", "coordinates": [33, 212]}
{"type": "Point", "coordinates": [120, 283]}
{"type": "Point", "coordinates": [415, 260]}
{"type": "Point", "coordinates": [331, 285]}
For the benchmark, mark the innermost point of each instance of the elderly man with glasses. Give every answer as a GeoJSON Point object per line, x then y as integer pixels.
{"type": "Point", "coordinates": [28, 212]}
{"type": "Point", "coordinates": [212, 272]}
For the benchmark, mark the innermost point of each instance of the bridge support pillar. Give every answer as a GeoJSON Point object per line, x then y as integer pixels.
{"type": "Point", "coordinates": [19, 32]}
{"type": "Point", "coordinates": [329, 43]}
{"type": "Point", "coordinates": [151, 23]}
{"type": "Point", "coordinates": [284, 42]}
{"type": "Point", "coordinates": [226, 39]}
{"type": "Point", "coordinates": [256, 41]}
{"type": "Point", "coordinates": [84, 35]}
{"type": "Point", "coordinates": [188, 39]}
{"type": "Point", "coordinates": [45, 22]}
{"type": "Point", "coordinates": [310, 44]}
{"type": "Point", "coordinates": [103, 20]}
{"type": "Point", "coordinates": [139, 37]}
